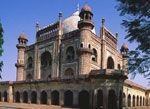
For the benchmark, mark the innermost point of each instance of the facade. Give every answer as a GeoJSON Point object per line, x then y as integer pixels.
{"type": "Point", "coordinates": [69, 65]}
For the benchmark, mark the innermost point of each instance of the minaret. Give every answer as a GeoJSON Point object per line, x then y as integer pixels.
{"type": "Point", "coordinates": [85, 26]}
{"type": "Point", "coordinates": [22, 41]}
{"type": "Point", "coordinates": [103, 44]}
{"type": "Point", "coordinates": [124, 51]}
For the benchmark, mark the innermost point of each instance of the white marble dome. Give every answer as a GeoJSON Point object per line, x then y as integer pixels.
{"type": "Point", "coordinates": [71, 23]}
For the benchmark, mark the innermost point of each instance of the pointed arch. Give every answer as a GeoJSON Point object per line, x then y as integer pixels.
{"type": "Point", "coordinates": [70, 54]}
{"type": "Point", "coordinates": [100, 99]}
{"type": "Point", "coordinates": [129, 100]}
{"type": "Point", "coordinates": [112, 100]}
{"type": "Point", "coordinates": [110, 63]}
{"type": "Point", "coordinates": [68, 98]}
{"type": "Point", "coordinates": [133, 102]}
{"type": "Point", "coordinates": [55, 97]}
{"type": "Point", "coordinates": [84, 98]}
{"type": "Point", "coordinates": [43, 97]}
{"type": "Point", "coordinates": [46, 64]}
{"type": "Point", "coordinates": [25, 97]}
{"type": "Point", "coordinates": [34, 97]}
{"type": "Point", "coordinates": [17, 97]}
{"type": "Point", "coordinates": [94, 56]}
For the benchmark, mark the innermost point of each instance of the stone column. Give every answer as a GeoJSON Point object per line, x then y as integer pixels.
{"type": "Point", "coordinates": [2, 97]}
{"type": "Point", "coordinates": [105, 98]}
{"type": "Point", "coordinates": [21, 97]}
{"type": "Point", "coordinates": [49, 97]}
{"type": "Point", "coordinates": [29, 97]}
{"type": "Point", "coordinates": [94, 99]}
{"type": "Point", "coordinates": [75, 98]}
{"type": "Point", "coordinates": [38, 97]}
{"type": "Point", "coordinates": [61, 97]}
{"type": "Point", "coordinates": [10, 94]}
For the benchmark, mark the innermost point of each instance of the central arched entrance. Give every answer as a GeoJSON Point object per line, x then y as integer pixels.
{"type": "Point", "coordinates": [84, 98]}
{"type": "Point", "coordinates": [25, 97]}
{"type": "Point", "coordinates": [55, 98]}
{"type": "Point", "coordinates": [100, 99]}
{"type": "Point", "coordinates": [17, 97]}
{"type": "Point", "coordinates": [43, 97]}
{"type": "Point", "coordinates": [34, 97]}
{"type": "Point", "coordinates": [68, 98]}
{"type": "Point", "coordinates": [112, 100]}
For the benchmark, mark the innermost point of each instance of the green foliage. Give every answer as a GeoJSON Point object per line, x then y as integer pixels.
{"type": "Point", "coordinates": [137, 25]}
{"type": "Point", "coordinates": [1, 49]}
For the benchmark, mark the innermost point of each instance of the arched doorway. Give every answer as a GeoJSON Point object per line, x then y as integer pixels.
{"type": "Point", "coordinates": [137, 101]}
{"type": "Point", "coordinates": [133, 101]}
{"type": "Point", "coordinates": [100, 99]}
{"type": "Point", "coordinates": [129, 100]}
{"type": "Point", "coordinates": [140, 101]}
{"type": "Point", "coordinates": [25, 97]}
{"type": "Point", "coordinates": [84, 98]}
{"type": "Point", "coordinates": [112, 100]}
{"type": "Point", "coordinates": [34, 97]}
{"type": "Point", "coordinates": [17, 97]}
{"type": "Point", "coordinates": [5, 96]}
{"type": "Point", "coordinates": [43, 97]}
{"type": "Point", "coordinates": [68, 98]}
{"type": "Point", "coordinates": [143, 101]}
{"type": "Point", "coordinates": [55, 98]}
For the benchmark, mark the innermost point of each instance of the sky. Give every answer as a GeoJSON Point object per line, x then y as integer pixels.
{"type": "Point", "coordinates": [20, 16]}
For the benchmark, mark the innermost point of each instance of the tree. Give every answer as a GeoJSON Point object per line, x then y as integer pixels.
{"type": "Point", "coordinates": [137, 26]}
{"type": "Point", "coordinates": [1, 49]}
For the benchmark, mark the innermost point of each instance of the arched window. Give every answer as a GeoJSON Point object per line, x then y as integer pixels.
{"type": "Point", "coordinates": [81, 45]}
{"type": "Point", "coordinates": [30, 63]}
{"type": "Point", "coordinates": [94, 56]}
{"type": "Point", "coordinates": [110, 63]}
{"type": "Point", "coordinates": [119, 67]}
{"type": "Point", "coordinates": [89, 46]}
{"type": "Point", "coordinates": [69, 72]}
{"type": "Point", "coordinates": [70, 54]}
{"type": "Point", "coordinates": [29, 77]}
{"type": "Point", "coordinates": [46, 59]}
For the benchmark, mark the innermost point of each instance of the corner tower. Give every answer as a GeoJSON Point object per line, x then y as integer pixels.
{"type": "Point", "coordinates": [22, 41]}
{"type": "Point", "coordinates": [85, 26]}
